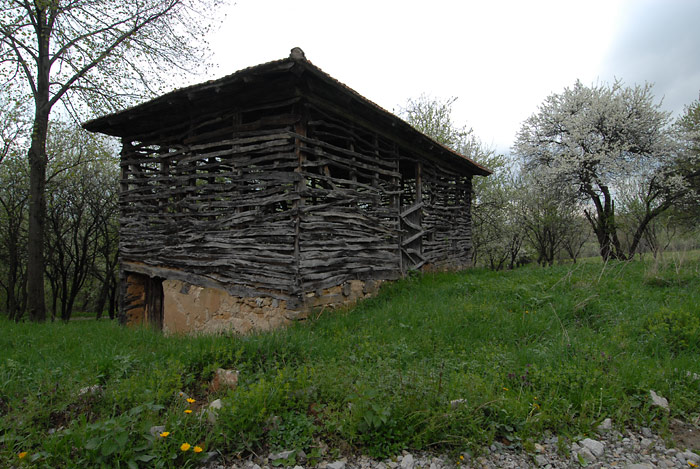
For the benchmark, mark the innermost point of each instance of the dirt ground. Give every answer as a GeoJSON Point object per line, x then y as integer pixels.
{"type": "Point", "coordinates": [686, 435]}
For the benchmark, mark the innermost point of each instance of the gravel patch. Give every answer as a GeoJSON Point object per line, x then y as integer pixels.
{"type": "Point", "coordinates": [608, 449]}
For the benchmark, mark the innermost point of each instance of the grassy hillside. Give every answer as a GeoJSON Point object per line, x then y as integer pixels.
{"type": "Point", "coordinates": [446, 360]}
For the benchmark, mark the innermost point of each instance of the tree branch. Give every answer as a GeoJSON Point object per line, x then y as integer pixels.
{"type": "Point", "coordinates": [123, 37]}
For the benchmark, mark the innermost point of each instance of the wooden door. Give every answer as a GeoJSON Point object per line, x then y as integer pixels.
{"type": "Point", "coordinates": [154, 302]}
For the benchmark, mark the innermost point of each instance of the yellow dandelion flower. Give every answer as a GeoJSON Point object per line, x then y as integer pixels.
{"type": "Point", "coordinates": [692, 464]}
{"type": "Point", "coordinates": [461, 457]}
{"type": "Point", "coordinates": [505, 389]}
{"type": "Point", "coordinates": [190, 400]}
{"type": "Point", "coordinates": [198, 449]}
{"type": "Point", "coordinates": [22, 455]}
{"type": "Point", "coordinates": [188, 411]}
{"type": "Point", "coordinates": [164, 434]}
{"type": "Point", "coordinates": [185, 447]}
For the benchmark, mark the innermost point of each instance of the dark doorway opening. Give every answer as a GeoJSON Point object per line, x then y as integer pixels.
{"type": "Point", "coordinates": [144, 300]}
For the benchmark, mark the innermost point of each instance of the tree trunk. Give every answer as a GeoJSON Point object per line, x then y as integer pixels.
{"type": "Point", "coordinates": [604, 225]}
{"type": "Point", "coordinates": [102, 297]}
{"type": "Point", "coordinates": [113, 288]}
{"type": "Point", "coordinates": [13, 270]}
{"type": "Point", "coordinates": [36, 305]}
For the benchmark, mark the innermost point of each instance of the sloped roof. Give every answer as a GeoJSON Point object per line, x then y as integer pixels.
{"type": "Point", "coordinates": [124, 123]}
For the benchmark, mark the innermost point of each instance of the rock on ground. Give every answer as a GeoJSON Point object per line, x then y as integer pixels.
{"type": "Point", "coordinates": [613, 449]}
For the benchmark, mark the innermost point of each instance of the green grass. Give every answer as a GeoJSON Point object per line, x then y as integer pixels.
{"type": "Point", "coordinates": [525, 352]}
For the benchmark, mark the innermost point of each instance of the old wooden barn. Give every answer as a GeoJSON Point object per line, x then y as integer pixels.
{"type": "Point", "coordinates": [250, 200]}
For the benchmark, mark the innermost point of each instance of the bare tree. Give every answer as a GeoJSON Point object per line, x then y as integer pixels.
{"type": "Point", "coordinates": [88, 54]}
{"type": "Point", "coordinates": [433, 117]}
{"type": "Point", "coordinates": [13, 233]}
{"type": "Point", "coordinates": [688, 133]}
{"type": "Point", "coordinates": [80, 195]}
{"type": "Point", "coordinates": [13, 126]}
{"type": "Point", "coordinates": [547, 215]}
{"type": "Point", "coordinates": [104, 209]}
{"type": "Point", "coordinates": [497, 232]}
{"type": "Point", "coordinates": [13, 204]}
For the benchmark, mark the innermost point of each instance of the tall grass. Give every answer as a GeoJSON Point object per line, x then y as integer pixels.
{"type": "Point", "coordinates": [451, 360]}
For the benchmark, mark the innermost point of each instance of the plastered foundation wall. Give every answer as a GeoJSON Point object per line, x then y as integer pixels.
{"type": "Point", "coordinates": [193, 309]}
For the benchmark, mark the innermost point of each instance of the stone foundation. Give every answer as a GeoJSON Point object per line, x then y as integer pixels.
{"type": "Point", "coordinates": [190, 308]}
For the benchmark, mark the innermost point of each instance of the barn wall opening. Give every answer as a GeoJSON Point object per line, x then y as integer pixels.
{"type": "Point", "coordinates": [143, 302]}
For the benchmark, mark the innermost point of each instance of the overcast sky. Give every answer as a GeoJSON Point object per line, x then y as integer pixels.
{"type": "Point", "coordinates": [499, 58]}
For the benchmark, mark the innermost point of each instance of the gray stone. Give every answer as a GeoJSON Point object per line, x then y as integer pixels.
{"type": "Point", "coordinates": [646, 443]}
{"type": "Point", "coordinates": [407, 462]}
{"type": "Point", "coordinates": [541, 460]}
{"type": "Point", "coordinates": [298, 467]}
{"type": "Point", "coordinates": [337, 465]}
{"type": "Point", "coordinates": [658, 401]}
{"type": "Point", "coordinates": [280, 455]}
{"type": "Point", "coordinates": [457, 402]}
{"type": "Point", "coordinates": [647, 432]}
{"type": "Point", "coordinates": [209, 457]}
{"type": "Point", "coordinates": [639, 466]}
{"type": "Point", "coordinates": [586, 455]}
{"type": "Point", "coordinates": [213, 411]}
{"type": "Point", "coordinates": [596, 447]}
{"type": "Point", "coordinates": [690, 456]}
{"type": "Point", "coordinates": [605, 426]}
{"type": "Point", "coordinates": [157, 430]}
{"type": "Point", "coordinates": [94, 389]}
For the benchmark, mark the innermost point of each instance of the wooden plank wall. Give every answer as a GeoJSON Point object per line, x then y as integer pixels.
{"type": "Point", "coordinates": [284, 199]}
{"type": "Point", "coordinates": [216, 200]}
{"type": "Point", "coordinates": [349, 226]}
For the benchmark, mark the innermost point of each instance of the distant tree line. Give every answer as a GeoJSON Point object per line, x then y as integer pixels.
{"type": "Point", "coordinates": [81, 234]}
{"type": "Point", "coordinates": [599, 166]}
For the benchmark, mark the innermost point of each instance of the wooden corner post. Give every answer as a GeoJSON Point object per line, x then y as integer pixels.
{"type": "Point", "coordinates": [300, 130]}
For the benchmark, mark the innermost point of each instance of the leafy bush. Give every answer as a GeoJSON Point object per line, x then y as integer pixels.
{"type": "Point", "coordinates": [678, 329]}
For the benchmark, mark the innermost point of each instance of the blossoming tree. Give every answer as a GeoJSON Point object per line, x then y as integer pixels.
{"type": "Point", "coordinates": [594, 138]}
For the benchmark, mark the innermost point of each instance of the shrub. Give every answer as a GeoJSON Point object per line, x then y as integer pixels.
{"type": "Point", "coordinates": [678, 329]}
